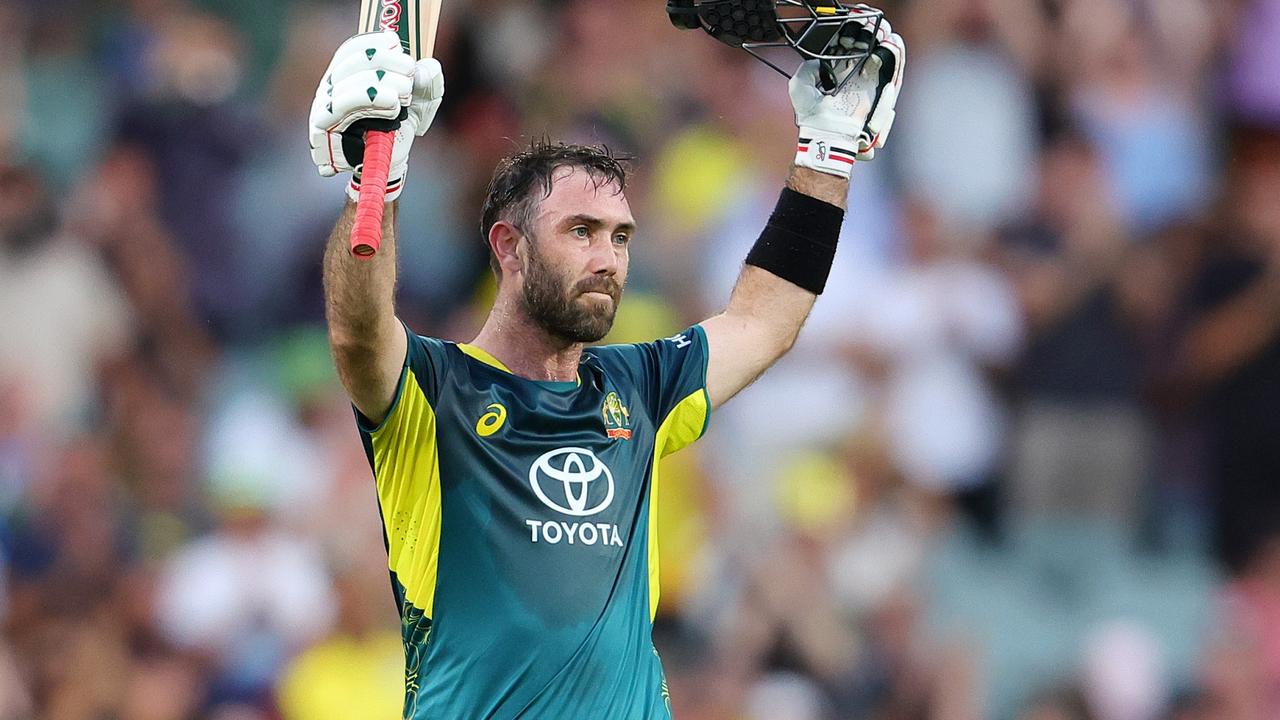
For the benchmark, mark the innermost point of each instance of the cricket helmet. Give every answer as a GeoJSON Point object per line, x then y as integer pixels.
{"type": "Point", "coordinates": [827, 30]}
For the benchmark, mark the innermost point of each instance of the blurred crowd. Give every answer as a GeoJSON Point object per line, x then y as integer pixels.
{"type": "Point", "coordinates": [1024, 462]}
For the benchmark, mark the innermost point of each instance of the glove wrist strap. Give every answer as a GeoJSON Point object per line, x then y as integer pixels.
{"type": "Point", "coordinates": [394, 187]}
{"type": "Point", "coordinates": [826, 152]}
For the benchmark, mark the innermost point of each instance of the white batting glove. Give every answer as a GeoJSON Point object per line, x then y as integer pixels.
{"type": "Point", "coordinates": [372, 84]}
{"type": "Point", "coordinates": [849, 125]}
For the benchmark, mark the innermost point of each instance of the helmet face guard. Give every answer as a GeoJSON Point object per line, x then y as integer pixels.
{"type": "Point", "coordinates": [831, 31]}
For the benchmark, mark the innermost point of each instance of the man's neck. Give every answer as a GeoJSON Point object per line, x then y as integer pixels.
{"type": "Point", "coordinates": [526, 349]}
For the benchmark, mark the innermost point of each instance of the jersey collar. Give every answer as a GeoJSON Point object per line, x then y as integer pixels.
{"type": "Point", "coordinates": [485, 357]}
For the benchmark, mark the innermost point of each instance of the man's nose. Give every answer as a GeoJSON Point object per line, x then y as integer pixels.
{"type": "Point", "coordinates": [604, 258]}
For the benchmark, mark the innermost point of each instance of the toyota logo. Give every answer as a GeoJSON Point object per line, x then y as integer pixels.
{"type": "Point", "coordinates": [577, 471]}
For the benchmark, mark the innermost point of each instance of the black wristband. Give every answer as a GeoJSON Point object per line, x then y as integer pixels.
{"type": "Point", "coordinates": [799, 242]}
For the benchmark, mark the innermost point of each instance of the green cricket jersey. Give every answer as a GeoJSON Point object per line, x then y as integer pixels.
{"type": "Point", "coordinates": [520, 527]}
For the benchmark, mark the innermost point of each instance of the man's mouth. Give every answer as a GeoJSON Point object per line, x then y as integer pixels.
{"type": "Point", "coordinates": [599, 291]}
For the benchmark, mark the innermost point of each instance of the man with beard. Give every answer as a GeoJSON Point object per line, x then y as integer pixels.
{"type": "Point", "coordinates": [516, 473]}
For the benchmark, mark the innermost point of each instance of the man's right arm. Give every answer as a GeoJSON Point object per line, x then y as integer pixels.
{"type": "Point", "coordinates": [370, 80]}
{"type": "Point", "coordinates": [368, 342]}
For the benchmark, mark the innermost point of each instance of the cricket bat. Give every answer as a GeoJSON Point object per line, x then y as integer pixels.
{"type": "Point", "coordinates": [416, 22]}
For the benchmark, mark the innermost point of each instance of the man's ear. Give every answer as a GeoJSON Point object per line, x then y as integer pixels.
{"type": "Point", "coordinates": [504, 242]}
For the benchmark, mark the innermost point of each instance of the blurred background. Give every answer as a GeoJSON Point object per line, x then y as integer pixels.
{"type": "Point", "coordinates": [1023, 463]}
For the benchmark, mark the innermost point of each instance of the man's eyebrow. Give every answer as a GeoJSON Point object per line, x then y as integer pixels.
{"type": "Point", "coordinates": [595, 222]}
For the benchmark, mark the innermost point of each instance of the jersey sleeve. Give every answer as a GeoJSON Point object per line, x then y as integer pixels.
{"type": "Point", "coordinates": [423, 365]}
{"type": "Point", "coordinates": [671, 374]}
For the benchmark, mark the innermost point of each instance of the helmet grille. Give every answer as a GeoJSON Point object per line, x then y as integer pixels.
{"type": "Point", "coordinates": [737, 21]}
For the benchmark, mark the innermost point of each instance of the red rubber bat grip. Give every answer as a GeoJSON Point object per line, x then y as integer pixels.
{"type": "Point", "coordinates": [366, 234]}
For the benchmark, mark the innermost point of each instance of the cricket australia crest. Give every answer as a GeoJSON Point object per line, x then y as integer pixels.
{"type": "Point", "coordinates": [617, 418]}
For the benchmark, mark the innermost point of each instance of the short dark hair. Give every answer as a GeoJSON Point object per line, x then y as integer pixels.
{"type": "Point", "coordinates": [512, 191]}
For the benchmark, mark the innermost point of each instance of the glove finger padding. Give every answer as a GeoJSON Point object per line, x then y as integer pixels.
{"type": "Point", "coordinates": [370, 73]}
{"type": "Point", "coordinates": [892, 52]}
{"type": "Point", "coordinates": [338, 125]}
{"type": "Point", "coordinates": [377, 51]}
{"type": "Point", "coordinates": [428, 93]}
{"type": "Point", "coordinates": [366, 95]}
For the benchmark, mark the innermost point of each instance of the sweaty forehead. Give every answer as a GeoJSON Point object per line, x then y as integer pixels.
{"type": "Point", "coordinates": [575, 191]}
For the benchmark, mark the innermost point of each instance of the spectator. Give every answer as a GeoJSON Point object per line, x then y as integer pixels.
{"type": "Point", "coordinates": [49, 358]}
{"type": "Point", "coordinates": [247, 597]}
{"type": "Point", "coordinates": [357, 672]}
{"type": "Point", "coordinates": [1082, 440]}
{"type": "Point", "coordinates": [1232, 349]}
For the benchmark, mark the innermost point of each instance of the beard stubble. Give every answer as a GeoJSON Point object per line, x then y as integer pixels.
{"type": "Point", "coordinates": [556, 304]}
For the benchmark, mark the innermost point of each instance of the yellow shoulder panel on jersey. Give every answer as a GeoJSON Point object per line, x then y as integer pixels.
{"type": "Point", "coordinates": [483, 356]}
{"type": "Point", "coordinates": [685, 423]}
{"type": "Point", "coordinates": [406, 463]}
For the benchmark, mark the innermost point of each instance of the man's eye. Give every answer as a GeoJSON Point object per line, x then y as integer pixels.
{"type": "Point", "coordinates": [581, 231]}
{"type": "Point", "coordinates": [621, 239]}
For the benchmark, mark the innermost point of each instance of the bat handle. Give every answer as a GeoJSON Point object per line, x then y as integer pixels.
{"type": "Point", "coordinates": [366, 234]}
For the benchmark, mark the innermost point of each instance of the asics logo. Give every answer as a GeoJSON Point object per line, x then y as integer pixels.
{"type": "Point", "coordinates": [572, 481]}
{"type": "Point", "coordinates": [492, 421]}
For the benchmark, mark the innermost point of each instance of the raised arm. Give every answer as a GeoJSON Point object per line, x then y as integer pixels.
{"type": "Point", "coordinates": [765, 312]}
{"type": "Point", "coordinates": [788, 267]}
{"type": "Point", "coordinates": [367, 341]}
{"type": "Point", "coordinates": [370, 84]}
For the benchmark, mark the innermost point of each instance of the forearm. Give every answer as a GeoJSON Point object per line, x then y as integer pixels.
{"type": "Point", "coordinates": [359, 293]}
{"type": "Point", "coordinates": [778, 286]}
{"type": "Point", "coordinates": [780, 302]}
{"type": "Point", "coordinates": [771, 309]}
{"type": "Point", "coordinates": [758, 327]}
{"type": "Point", "coordinates": [790, 264]}
{"type": "Point", "coordinates": [364, 334]}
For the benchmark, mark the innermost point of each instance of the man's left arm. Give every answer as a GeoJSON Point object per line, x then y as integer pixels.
{"type": "Point", "coordinates": [765, 312]}
{"type": "Point", "coordinates": [788, 267]}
